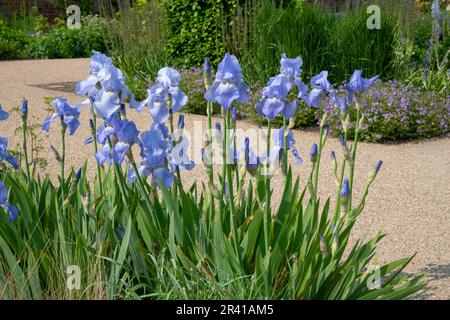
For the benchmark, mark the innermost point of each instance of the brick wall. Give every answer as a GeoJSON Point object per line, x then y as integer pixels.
{"type": "Point", "coordinates": [48, 8]}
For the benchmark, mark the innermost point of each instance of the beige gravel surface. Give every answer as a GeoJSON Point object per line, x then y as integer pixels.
{"type": "Point", "coordinates": [410, 200]}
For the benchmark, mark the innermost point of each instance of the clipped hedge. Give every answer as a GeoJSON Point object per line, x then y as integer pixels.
{"type": "Point", "coordinates": [196, 29]}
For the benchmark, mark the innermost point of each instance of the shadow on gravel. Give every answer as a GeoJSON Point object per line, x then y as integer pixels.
{"type": "Point", "coordinates": [436, 273]}
{"type": "Point", "coordinates": [57, 86]}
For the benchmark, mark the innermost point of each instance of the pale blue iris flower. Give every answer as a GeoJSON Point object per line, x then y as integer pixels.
{"type": "Point", "coordinates": [4, 154]}
{"type": "Point", "coordinates": [12, 210]}
{"type": "Point", "coordinates": [274, 100]}
{"type": "Point", "coordinates": [358, 84]}
{"type": "Point", "coordinates": [320, 87]}
{"type": "Point", "coordinates": [229, 85]}
{"type": "Point", "coordinates": [3, 114]}
{"type": "Point", "coordinates": [124, 134]}
{"type": "Point", "coordinates": [165, 96]}
{"type": "Point", "coordinates": [66, 112]}
{"type": "Point", "coordinates": [105, 87]}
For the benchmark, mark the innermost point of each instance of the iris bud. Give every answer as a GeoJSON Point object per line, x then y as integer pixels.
{"type": "Point", "coordinates": [313, 153]}
{"type": "Point", "coordinates": [335, 244]}
{"type": "Point", "coordinates": [326, 131]}
{"type": "Point", "coordinates": [345, 195]}
{"type": "Point", "coordinates": [345, 150]}
{"type": "Point", "coordinates": [24, 109]}
{"type": "Point", "coordinates": [333, 162]}
{"type": "Point", "coordinates": [78, 174]}
{"type": "Point", "coordinates": [361, 123]}
{"type": "Point", "coordinates": [374, 172]}
{"type": "Point", "coordinates": [323, 246]}
{"type": "Point", "coordinates": [181, 121]}
{"type": "Point", "coordinates": [346, 123]}
{"type": "Point", "coordinates": [91, 125]}
{"type": "Point", "coordinates": [323, 121]}
{"type": "Point", "coordinates": [207, 74]}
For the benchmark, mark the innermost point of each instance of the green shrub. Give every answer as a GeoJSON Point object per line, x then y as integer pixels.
{"type": "Point", "coordinates": [63, 42]}
{"type": "Point", "coordinates": [195, 29]}
{"type": "Point", "coordinates": [12, 43]}
{"type": "Point", "coordinates": [38, 40]}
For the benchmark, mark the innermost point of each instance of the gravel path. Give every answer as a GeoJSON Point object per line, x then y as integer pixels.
{"type": "Point", "coordinates": [410, 200]}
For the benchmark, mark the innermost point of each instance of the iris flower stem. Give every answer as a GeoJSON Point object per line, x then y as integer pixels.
{"type": "Point", "coordinates": [285, 151]}
{"type": "Point", "coordinates": [230, 194]}
{"type": "Point", "coordinates": [267, 217]}
{"type": "Point", "coordinates": [224, 152]}
{"type": "Point", "coordinates": [316, 178]}
{"type": "Point", "coordinates": [354, 147]}
{"type": "Point", "coordinates": [63, 157]}
{"type": "Point", "coordinates": [338, 187]}
{"type": "Point", "coordinates": [99, 172]}
{"type": "Point", "coordinates": [25, 148]}
{"type": "Point", "coordinates": [211, 168]}
{"type": "Point", "coordinates": [145, 192]}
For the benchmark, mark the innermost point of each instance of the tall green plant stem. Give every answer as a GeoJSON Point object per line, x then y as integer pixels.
{"type": "Point", "coordinates": [267, 215]}
{"type": "Point", "coordinates": [354, 147]}
{"type": "Point", "coordinates": [94, 135]}
{"type": "Point", "coordinates": [230, 194]}
{"type": "Point", "coordinates": [25, 147]}
{"type": "Point", "coordinates": [285, 151]}
{"type": "Point", "coordinates": [209, 142]}
{"type": "Point", "coordinates": [211, 167]}
{"type": "Point", "coordinates": [63, 157]}
{"type": "Point", "coordinates": [338, 187]}
{"type": "Point", "coordinates": [316, 177]}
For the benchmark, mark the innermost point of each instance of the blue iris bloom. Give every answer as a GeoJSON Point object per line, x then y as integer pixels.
{"type": "Point", "coordinates": [4, 154]}
{"type": "Point", "coordinates": [166, 89]}
{"type": "Point", "coordinates": [158, 157]}
{"type": "Point", "coordinates": [125, 135]}
{"type": "Point", "coordinates": [3, 114]}
{"type": "Point", "coordinates": [358, 84]}
{"type": "Point", "coordinates": [12, 210]}
{"type": "Point", "coordinates": [228, 85]}
{"type": "Point", "coordinates": [320, 86]}
{"type": "Point", "coordinates": [274, 100]}
{"type": "Point", "coordinates": [105, 86]}
{"type": "Point", "coordinates": [67, 113]}
{"type": "Point", "coordinates": [290, 67]}
{"type": "Point", "coordinates": [163, 175]}
{"type": "Point", "coordinates": [278, 147]}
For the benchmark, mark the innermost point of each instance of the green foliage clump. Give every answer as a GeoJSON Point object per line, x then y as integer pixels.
{"type": "Point", "coordinates": [196, 28]}
{"type": "Point", "coordinates": [63, 42]}
{"type": "Point", "coordinates": [354, 46]}
{"type": "Point", "coordinates": [12, 43]}
{"type": "Point", "coordinates": [39, 40]}
{"type": "Point", "coordinates": [262, 31]}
